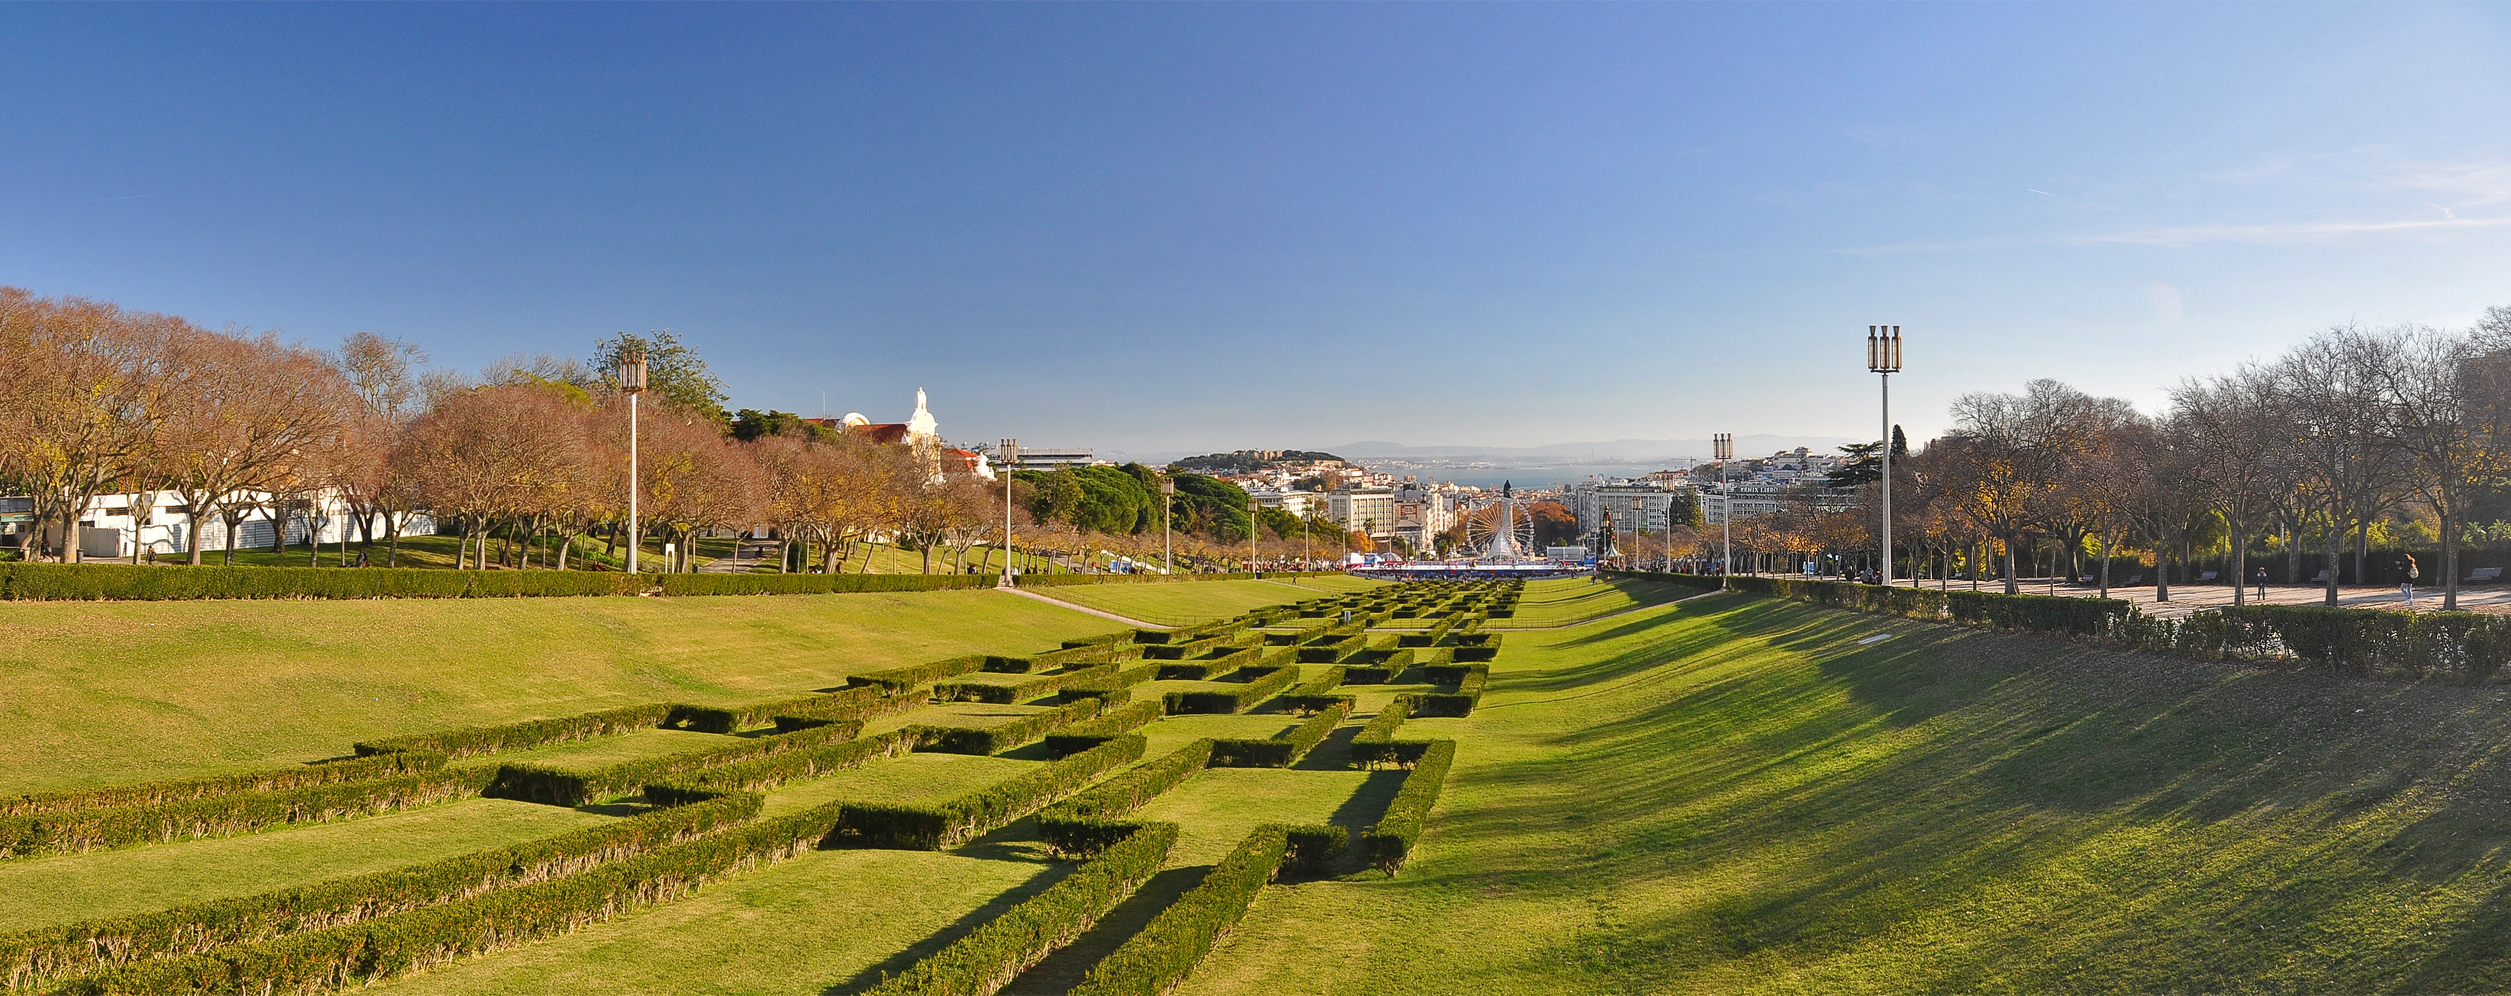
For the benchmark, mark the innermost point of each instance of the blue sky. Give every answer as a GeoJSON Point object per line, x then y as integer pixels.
{"type": "Point", "coordinates": [1188, 227]}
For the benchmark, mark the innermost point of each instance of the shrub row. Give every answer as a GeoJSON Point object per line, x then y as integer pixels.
{"type": "Point", "coordinates": [1238, 699]}
{"type": "Point", "coordinates": [120, 582]}
{"type": "Point", "coordinates": [177, 790]}
{"type": "Point", "coordinates": [900, 679]}
{"type": "Point", "coordinates": [397, 945]}
{"type": "Point", "coordinates": [763, 773]}
{"type": "Point", "coordinates": [816, 584]}
{"type": "Point", "coordinates": [1158, 957]}
{"type": "Point", "coordinates": [933, 826]}
{"type": "Point", "coordinates": [1108, 726]}
{"type": "Point", "coordinates": [1286, 748]}
{"type": "Point", "coordinates": [1113, 688]}
{"type": "Point", "coordinates": [1188, 634]}
{"type": "Point", "coordinates": [557, 787]}
{"type": "Point", "coordinates": [1468, 679]}
{"type": "Point", "coordinates": [528, 733]}
{"type": "Point", "coordinates": [1377, 667]}
{"type": "Point", "coordinates": [1317, 692]}
{"type": "Point", "coordinates": [2091, 617]}
{"type": "Point", "coordinates": [989, 957]}
{"type": "Point", "coordinates": [1181, 650]}
{"type": "Point", "coordinates": [1088, 822]}
{"type": "Point", "coordinates": [1005, 692]}
{"type": "Point", "coordinates": [1327, 650]}
{"type": "Point", "coordinates": [1389, 842]}
{"type": "Point", "coordinates": [42, 958]}
{"type": "Point", "coordinates": [2357, 641]}
{"type": "Point", "coordinates": [853, 703]}
{"type": "Point", "coordinates": [226, 815]}
{"type": "Point", "coordinates": [1087, 653]}
{"type": "Point", "coordinates": [1214, 666]}
{"type": "Point", "coordinates": [1375, 744]}
{"type": "Point", "coordinates": [999, 738]}
{"type": "Point", "coordinates": [1431, 638]}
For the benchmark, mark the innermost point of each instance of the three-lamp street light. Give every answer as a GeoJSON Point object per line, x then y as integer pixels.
{"type": "Point", "coordinates": [1723, 445]}
{"type": "Point", "coordinates": [1883, 358]}
{"type": "Point", "coordinates": [1252, 530]}
{"type": "Point", "coordinates": [1010, 454]}
{"type": "Point", "coordinates": [1168, 503]}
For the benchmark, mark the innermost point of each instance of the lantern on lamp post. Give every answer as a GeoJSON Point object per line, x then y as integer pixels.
{"type": "Point", "coordinates": [1883, 358]}
{"type": "Point", "coordinates": [1723, 447]}
{"type": "Point", "coordinates": [632, 381]}
{"type": "Point", "coordinates": [1168, 504]}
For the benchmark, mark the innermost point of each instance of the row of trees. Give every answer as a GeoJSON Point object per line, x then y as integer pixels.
{"type": "Point", "coordinates": [2317, 448]}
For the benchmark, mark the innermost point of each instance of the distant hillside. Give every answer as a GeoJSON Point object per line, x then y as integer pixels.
{"type": "Point", "coordinates": [1245, 461]}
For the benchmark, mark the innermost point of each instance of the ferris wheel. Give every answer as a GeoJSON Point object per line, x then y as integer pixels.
{"type": "Point", "coordinates": [1483, 525]}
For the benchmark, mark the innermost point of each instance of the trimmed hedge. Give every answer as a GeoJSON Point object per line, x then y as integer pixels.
{"type": "Point", "coordinates": [816, 584]}
{"type": "Point", "coordinates": [1003, 737]}
{"type": "Point", "coordinates": [1088, 822]}
{"type": "Point", "coordinates": [1208, 668]}
{"type": "Point", "coordinates": [1007, 692]}
{"type": "Point", "coordinates": [235, 813]}
{"type": "Point", "coordinates": [1317, 693]}
{"type": "Point", "coordinates": [2466, 645]}
{"type": "Point", "coordinates": [1328, 649]}
{"type": "Point", "coordinates": [1468, 679]}
{"type": "Point", "coordinates": [1312, 848]}
{"type": "Point", "coordinates": [989, 957]}
{"type": "Point", "coordinates": [528, 733]}
{"type": "Point", "coordinates": [1375, 744]}
{"type": "Point", "coordinates": [1239, 699]}
{"type": "Point", "coordinates": [124, 582]}
{"type": "Point", "coordinates": [1158, 957]}
{"type": "Point", "coordinates": [1113, 688]}
{"type": "Point", "coordinates": [934, 826]}
{"type": "Point", "coordinates": [180, 789]}
{"type": "Point", "coordinates": [787, 715]}
{"type": "Point", "coordinates": [1108, 726]}
{"type": "Point", "coordinates": [1087, 653]}
{"type": "Point", "coordinates": [404, 943]}
{"type": "Point", "coordinates": [763, 773]}
{"type": "Point", "coordinates": [900, 679]}
{"type": "Point", "coordinates": [2089, 617]}
{"type": "Point", "coordinates": [1377, 667]}
{"type": "Point", "coordinates": [45, 957]}
{"type": "Point", "coordinates": [557, 787]}
{"type": "Point", "coordinates": [1286, 748]}
{"type": "Point", "coordinates": [1391, 840]}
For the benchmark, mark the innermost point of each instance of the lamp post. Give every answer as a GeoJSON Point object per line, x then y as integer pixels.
{"type": "Point", "coordinates": [1883, 357]}
{"type": "Point", "coordinates": [1010, 452]}
{"type": "Point", "coordinates": [1723, 444]}
{"type": "Point", "coordinates": [1252, 505]}
{"type": "Point", "coordinates": [632, 380]}
{"type": "Point", "coordinates": [1168, 503]}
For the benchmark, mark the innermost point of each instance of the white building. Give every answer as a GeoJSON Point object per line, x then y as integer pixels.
{"type": "Point", "coordinates": [109, 529]}
{"type": "Point", "coordinates": [1640, 505]}
{"type": "Point", "coordinates": [1371, 510]}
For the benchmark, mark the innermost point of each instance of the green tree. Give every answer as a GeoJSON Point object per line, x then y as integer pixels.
{"type": "Point", "coordinates": [673, 369]}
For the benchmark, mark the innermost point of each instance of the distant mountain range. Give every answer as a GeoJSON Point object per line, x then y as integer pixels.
{"type": "Point", "coordinates": [1669, 452]}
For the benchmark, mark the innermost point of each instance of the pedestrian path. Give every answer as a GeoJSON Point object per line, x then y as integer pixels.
{"type": "Point", "coordinates": [2189, 598]}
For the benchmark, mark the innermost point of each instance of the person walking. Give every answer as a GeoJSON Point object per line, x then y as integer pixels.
{"type": "Point", "coordinates": [2407, 587]}
{"type": "Point", "coordinates": [2259, 581]}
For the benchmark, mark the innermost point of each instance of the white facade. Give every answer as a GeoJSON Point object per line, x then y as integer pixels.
{"type": "Point", "coordinates": [1642, 506]}
{"type": "Point", "coordinates": [109, 530]}
{"type": "Point", "coordinates": [1369, 509]}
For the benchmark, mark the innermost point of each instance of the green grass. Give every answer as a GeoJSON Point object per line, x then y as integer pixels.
{"type": "Point", "coordinates": [111, 883]}
{"type": "Point", "coordinates": [908, 778]}
{"type": "Point", "coordinates": [586, 755]}
{"type": "Point", "coordinates": [819, 921]}
{"type": "Point", "coordinates": [1184, 603]}
{"type": "Point", "coordinates": [105, 692]}
{"type": "Point", "coordinates": [1568, 601]}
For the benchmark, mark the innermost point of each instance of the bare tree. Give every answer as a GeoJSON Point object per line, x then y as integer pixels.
{"type": "Point", "coordinates": [2435, 411]}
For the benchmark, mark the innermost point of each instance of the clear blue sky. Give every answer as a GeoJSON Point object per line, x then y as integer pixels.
{"type": "Point", "coordinates": [1171, 227]}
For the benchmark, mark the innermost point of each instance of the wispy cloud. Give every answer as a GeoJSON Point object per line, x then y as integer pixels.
{"type": "Point", "coordinates": [2272, 234]}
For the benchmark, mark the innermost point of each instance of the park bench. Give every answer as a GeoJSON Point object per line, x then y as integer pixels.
{"type": "Point", "coordinates": [2207, 577]}
{"type": "Point", "coordinates": [2483, 574]}
{"type": "Point", "coordinates": [2321, 577]}
{"type": "Point", "coordinates": [2133, 580]}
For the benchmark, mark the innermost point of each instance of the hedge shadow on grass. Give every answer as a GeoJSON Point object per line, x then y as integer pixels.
{"type": "Point", "coordinates": [872, 975]}
{"type": "Point", "coordinates": [1068, 966]}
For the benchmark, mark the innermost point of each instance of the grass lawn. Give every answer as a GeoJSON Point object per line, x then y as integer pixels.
{"type": "Point", "coordinates": [599, 752]}
{"type": "Point", "coordinates": [70, 887]}
{"type": "Point", "coordinates": [1566, 601]}
{"type": "Point", "coordinates": [1736, 796]}
{"type": "Point", "coordinates": [104, 692]}
{"type": "Point", "coordinates": [906, 778]}
{"type": "Point", "coordinates": [1184, 603]}
{"type": "Point", "coordinates": [825, 919]}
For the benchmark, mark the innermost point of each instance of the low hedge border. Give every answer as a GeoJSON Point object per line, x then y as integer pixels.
{"type": "Point", "coordinates": [2088, 617]}
{"type": "Point", "coordinates": [1235, 700]}
{"type": "Point", "coordinates": [1157, 958]}
{"type": "Point", "coordinates": [1391, 840]}
{"type": "Point", "coordinates": [853, 703]}
{"type": "Point", "coordinates": [235, 813]}
{"type": "Point", "coordinates": [1002, 737]}
{"type": "Point", "coordinates": [180, 789]}
{"type": "Point", "coordinates": [1468, 679]}
{"type": "Point", "coordinates": [1317, 693]}
{"type": "Point", "coordinates": [1007, 692]}
{"type": "Point", "coordinates": [468, 741]}
{"type": "Point", "coordinates": [900, 679]}
{"type": "Point", "coordinates": [1089, 653]}
{"type": "Point", "coordinates": [1122, 681]}
{"type": "Point", "coordinates": [816, 584]}
{"type": "Point", "coordinates": [1206, 669]}
{"type": "Point", "coordinates": [1286, 748]}
{"type": "Point", "coordinates": [1378, 667]}
{"type": "Point", "coordinates": [1375, 744]}
{"type": "Point", "coordinates": [45, 957]}
{"type": "Point", "coordinates": [124, 582]}
{"type": "Point", "coordinates": [404, 943]}
{"type": "Point", "coordinates": [934, 826]}
{"type": "Point", "coordinates": [760, 774]}
{"type": "Point", "coordinates": [1089, 822]}
{"type": "Point", "coordinates": [989, 957]}
{"type": "Point", "coordinates": [557, 787]}
{"type": "Point", "coordinates": [1108, 726]}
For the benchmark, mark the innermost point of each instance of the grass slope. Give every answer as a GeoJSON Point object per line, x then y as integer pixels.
{"type": "Point", "coordinates": [1568, 601]}
{"type": "Point", "coordinates": [1184, 603]}
{"type": "Point", "coordinates": [1737, 796]}
{"type": "Point", "coordinates": [104, 692]}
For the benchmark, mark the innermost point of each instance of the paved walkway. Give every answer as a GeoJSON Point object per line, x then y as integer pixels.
{"type": "Point", "coordinates": [2189, 598]}
{"type": "Point", "coordinates": [1101, 613]}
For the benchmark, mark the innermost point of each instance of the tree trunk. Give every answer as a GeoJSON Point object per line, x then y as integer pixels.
{"type": "Point", "coordinates": [2012, 587]}
{"type": "Point", "coordinates": [2362, 549]}
{"type": "Point", "coordinates": [2336, 541]}
{"type": "Point", "coordinates": [2449, 562]}
{"type": "Point", "coordinates": [2240, 565]}
{"type": "Point", "coordinates": [2106, 544]}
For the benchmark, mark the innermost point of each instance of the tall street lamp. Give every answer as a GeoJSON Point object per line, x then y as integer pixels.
{"type": "Point", "coordinates": [1010, 452]}
{"type": "Point", "coordinates": [1168, 503]}
{"type": "Point", "coordinates": [1252, 505]}
{"type": "Point", "coordinates": [632, 380]}
{"type": "Point", "coordinates": [1724, 446]}
{"type": "Point", "coordinates": [1883, 358]}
